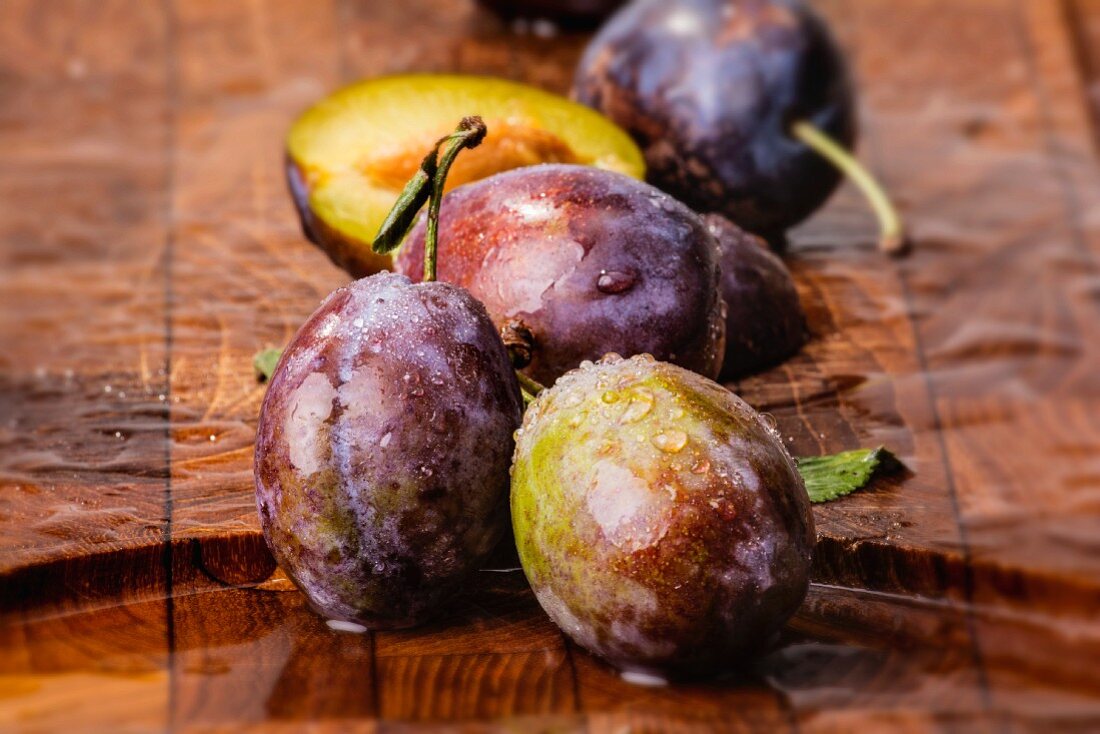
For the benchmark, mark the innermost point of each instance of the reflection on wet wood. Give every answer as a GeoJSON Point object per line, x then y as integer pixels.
{"type": "Point", "coordinates": [149, 250]}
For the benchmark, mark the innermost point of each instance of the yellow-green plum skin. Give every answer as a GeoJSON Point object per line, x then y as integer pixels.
{"type": "Point", "coordinates": [660, 521]}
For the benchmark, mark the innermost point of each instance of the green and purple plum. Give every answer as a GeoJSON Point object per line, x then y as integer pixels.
{"type": "Point", "coordinates": [765, 322]}
{"type": "Point", "coordinates": [383, 447]}
{"type": "Point", "coordinates": [583, 262]}
{"type": "Point", "coordinates": [660, 521]}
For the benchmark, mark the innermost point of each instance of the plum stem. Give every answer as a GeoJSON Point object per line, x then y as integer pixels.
{"type": "Point", "coordinates": [469, 134]}
{"type": "Point", "coordinates": [426, 186]}
{"type": "Point", "coordinates": [403, 214]}
{"type": "Point", "coordinates": [892, 237]}
{"type": "Point", "coordinates": [528, 386]}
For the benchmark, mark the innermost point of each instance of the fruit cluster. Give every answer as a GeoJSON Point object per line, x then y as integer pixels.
{"type": "Point", "coordinates": [659, 519]}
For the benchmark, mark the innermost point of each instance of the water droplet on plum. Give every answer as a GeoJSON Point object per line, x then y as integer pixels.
{"type": "Point", "coordinates": [641, 402]}
{"type": "Point", "coordinates": [671, 441]}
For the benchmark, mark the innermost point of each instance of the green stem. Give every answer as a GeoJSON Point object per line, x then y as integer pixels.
{"type": "Point", "coordinates": [528, 385]}
{"type": "Point", "coordinates": [469, 134]}
{"type": "Point", "coordinates": [426, 186]}
{"type": "Point", "coordinates": [892, 238]}
{"type": "Point", "coordinates": [403, 214]}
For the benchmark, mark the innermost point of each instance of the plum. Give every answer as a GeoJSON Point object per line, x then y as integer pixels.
{"type": "Point", "coordinates": [765, 323]}
{"type": "Point", "coordinates": [577, 262]}
{"type": "Point", "coordinates": [742, 107]}
{"type": "Point", "coordinates": [367, 493]}
{"type": "Point", "coordinates": [660, 521]}
{"type": "Point", "coordinates": [572, 13]}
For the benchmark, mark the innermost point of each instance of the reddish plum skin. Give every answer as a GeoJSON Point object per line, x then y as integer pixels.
{"type": "Point", "coordinates": [765, 322]}
{"type": "Point", "coordinates": [707, 88]}
{"type": "Point", "coordinates": [589, 260]}
{"type": "Point", "coordinates": [383, 448]}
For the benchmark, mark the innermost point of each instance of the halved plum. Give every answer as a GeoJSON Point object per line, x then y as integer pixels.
{"type": "Point", "coordinates": [349, 155]}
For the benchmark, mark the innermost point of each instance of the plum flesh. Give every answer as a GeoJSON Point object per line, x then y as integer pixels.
{"type": "Point", "coordinates": [661, 523]}
{"type": "Point", "coordinates": [586, 261]}
{"type": "Point", "coordinates": [349, 155]}
{"type": "Point", "coordinates": [383, 447]}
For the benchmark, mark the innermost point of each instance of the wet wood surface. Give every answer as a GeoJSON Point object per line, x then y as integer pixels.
{"type": "Point", "coordinates": [149, 249]}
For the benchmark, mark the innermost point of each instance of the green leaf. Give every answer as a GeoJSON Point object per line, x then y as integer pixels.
{"type": "Point", "coordinates": [264, 361]}
{"type": "Point", "coordinates": [835, 475]}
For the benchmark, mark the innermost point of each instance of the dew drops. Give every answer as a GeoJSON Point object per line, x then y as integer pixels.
{"type": "Point", "coordinates": [614, 282]}
{"type": "Point", "coordinates": [641, 402]}
{"type": "Point", "coordinates": [769, 421]}
{"type": "Point", "coordinates": [426, 471]}
{"type": "Point", "coordinates": [213, 438]}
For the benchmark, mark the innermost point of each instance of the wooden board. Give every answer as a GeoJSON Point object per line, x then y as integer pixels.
{"type": "Point", "coordinates": [149, 249]}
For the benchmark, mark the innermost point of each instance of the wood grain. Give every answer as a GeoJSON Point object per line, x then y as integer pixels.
{"type": "Point", "coordinates": [1009, 337]}
{"type": "Point", "coordinates": [82, 374]}
{"type": "Point", "coordinates": [149, 249]}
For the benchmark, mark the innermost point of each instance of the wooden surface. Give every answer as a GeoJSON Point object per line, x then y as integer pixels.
{"type": "Point", "coordinates": [149, 249]}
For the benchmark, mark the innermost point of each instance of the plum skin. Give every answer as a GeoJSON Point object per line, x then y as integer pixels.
{"type": "Point", "coordinates": [765, 322]}
{"type": "Point", "coordinates": [707, 88]}
{"type": "Point", "coordinates": [348, 253]}
{"type": "Point", "coordinates": [573, 13]}
{"type": "Point", "coordinates": [590, 261]}
{"type": "Point", "coordinates": [366, 490]}
{"type": "Point", "coordinates": [660, 522]}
